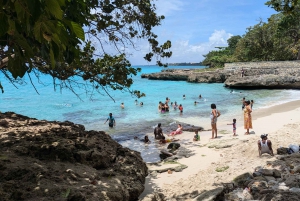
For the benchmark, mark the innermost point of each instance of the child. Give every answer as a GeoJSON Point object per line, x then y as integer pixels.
{"type": "Point", "coordinates": [196, 136]}
{"type": "Point", "coordinates": [180, 108]}
{"type": "Point", "coordinates": [233, 126]}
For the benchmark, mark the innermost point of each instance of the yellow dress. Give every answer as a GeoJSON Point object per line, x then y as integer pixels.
{"type": "Point", "coordinates": [247, 117]}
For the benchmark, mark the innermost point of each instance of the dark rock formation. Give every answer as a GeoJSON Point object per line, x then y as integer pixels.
{"type": "Point", "coordinates": [271, 81]}
{"type": "Point", "coordinates": [279, 181]}
{"type": "Point", "coordinates": [50, 160]}
{"type": "Point", "coordinates": [268, 75]}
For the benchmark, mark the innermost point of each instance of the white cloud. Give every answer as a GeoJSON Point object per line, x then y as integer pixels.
{"type": "Point", "coordinates": [183, 51]}
{"type": "Point", "coordinates": [168, 7]}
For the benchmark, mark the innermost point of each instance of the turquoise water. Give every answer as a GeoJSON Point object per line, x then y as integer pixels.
{"type": "Point", "coordinates": [134, 120]}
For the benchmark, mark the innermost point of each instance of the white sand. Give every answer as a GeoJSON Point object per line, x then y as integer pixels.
{"type": "Point", "coordinates": [281, 122]}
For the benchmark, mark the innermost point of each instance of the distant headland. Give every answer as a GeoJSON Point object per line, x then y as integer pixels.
{"type": "Point", "coordinates": [185, 64]}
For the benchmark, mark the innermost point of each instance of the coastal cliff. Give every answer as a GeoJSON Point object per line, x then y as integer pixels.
{"type": "Point", "coordinates": [51, 160]}
{"type": "Point", "coordinates": [273, 75]}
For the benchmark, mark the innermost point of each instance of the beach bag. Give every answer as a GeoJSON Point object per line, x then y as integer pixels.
{"type": "Point", "coordinates": [294, 147]}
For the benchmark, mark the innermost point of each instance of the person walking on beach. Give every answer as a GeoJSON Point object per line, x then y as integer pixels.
{"type": "Point", "coordinates": [214, 117]}
{"type": "Point", "coordinates": [158, 134]}
{"type": "Point", "coordinates": [233, 126]}
{"type": "Point", "coordinates": [111, 121]}
{"type": "Point", "coordinates": [247, 117]}
{"type": "Point", "coordinates": [243, 72]}
{"type": "Point", "coordinates": [264, 145]}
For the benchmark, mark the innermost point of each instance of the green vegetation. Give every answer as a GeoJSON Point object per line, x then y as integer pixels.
{"type": "Point", "coordinates": [76, 41]}
{"type": "Point", "coordinates": [222, 169]}
{"type": "Point", "coordinates": [275, 40]}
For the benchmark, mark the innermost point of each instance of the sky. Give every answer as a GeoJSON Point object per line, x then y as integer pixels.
{"type": "Point", "coordinates": [196, 27]}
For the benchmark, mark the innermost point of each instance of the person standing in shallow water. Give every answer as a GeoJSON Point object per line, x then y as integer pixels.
{"type": "Point", "coordinates": [247, 117]}
{"type": "Point", "coordinates": [214, 117]}
{"type": "Point", "coordinates": [158, 134]}
{"type": "Point", "coordinates": [111, 121]}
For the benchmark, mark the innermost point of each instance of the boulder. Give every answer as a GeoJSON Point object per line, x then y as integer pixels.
{"type": "Point", "coordinates": [173, 145]}
{"type": "Point", "coordinates": [282, 151]}
{"type": "Point", "coordinates": [51, 160]}
{"type": "Point", "coordinates": [266, 172]}
{"type": "Point", "coordinates": [240, 180]}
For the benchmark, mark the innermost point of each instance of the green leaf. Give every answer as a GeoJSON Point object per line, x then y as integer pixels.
{"type": "Point", "coordinates": [78, 30]}
{"type": "Point", "coordinates": [54, 8]}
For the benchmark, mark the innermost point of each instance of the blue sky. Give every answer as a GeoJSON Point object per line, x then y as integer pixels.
{"type": "Point", "coordinates": [195, 27]}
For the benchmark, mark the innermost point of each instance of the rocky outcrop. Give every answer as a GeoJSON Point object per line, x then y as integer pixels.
{"type": "Point", "coordinates": [278, 180]}
{"type": "Point", "coordinates": [50, 160]}
{"type": "Point", "coordinates": [270, 75]}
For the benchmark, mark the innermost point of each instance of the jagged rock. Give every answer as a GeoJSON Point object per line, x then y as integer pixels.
{"type": "Point", "coordinates": [209, 195]}
{"type": "Point", "coordinates": [238, 194]}
{"type": "Point", "coordinates": [50, 160]}
{"type": "Point", "coordinates": [266, 172]}
{"type": "Point", "coordinates": [276, 173]}
{"type": "Point", "coordinates": [240, 180]}
{"type": "Point", "coordinates": [173, 145]}
{"type": "Point", "coordinates": [269, 178]}
{"type": "Point", "coordinates": [278, 75]}
{"type": "Point", "coordinates": [256, 174]}
{"type": "Point", "coordinates": [282, 151]}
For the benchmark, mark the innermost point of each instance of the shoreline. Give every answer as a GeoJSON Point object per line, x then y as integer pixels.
{"type": "Point", "coordinates": [278, 121]}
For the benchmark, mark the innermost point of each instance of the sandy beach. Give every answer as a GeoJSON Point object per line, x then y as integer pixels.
{"type": "Point", "coordinates": [220, 160]}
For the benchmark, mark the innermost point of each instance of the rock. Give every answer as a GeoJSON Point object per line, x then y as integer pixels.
{"type": "Point", "coordinates": [153, 174]}
{"type": "Point", "coordinates": [266, 172]}
{"type": "Point", "coordinates": [240, 180]}
{"type": "Point", "coordinates": [154, 197]}
{"type": "Point", "coordinates": [282, 151]}
{"type": "Point", "coordinates": [173, 145]}
{"type": "Point", "coordinates": [238, 194]}
{"type": "Point", "coordinates": [262, 178]}
{"type": "Point", "coordinates": [269, 178]}
{"type": "Point", "coordinates": [209, 195]}
{"type": "Point", "coordinates": [296, 169]}
{"type": "Point", "coordinates": [183, 152]}
{"type": "Point", "coordinates": [272, 183]}
{"type": "Point", "coordinates": [180, 168]}
{"type": "Point", "coordinates": [276, 173]}
{"type": "Point", "coordinates": [52, 160]}
{"type": "Point", "coordinates": [256, 174]}
{"type": "Point", "coordinates": [258, 185]}
{"type": "Point", "coordinates": [4, 123]}
{"type": "Point", "coordinates": [294, 190]}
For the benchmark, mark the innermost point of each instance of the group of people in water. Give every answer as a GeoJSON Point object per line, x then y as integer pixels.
{"type": "Point", "coordinates": [164, 107]}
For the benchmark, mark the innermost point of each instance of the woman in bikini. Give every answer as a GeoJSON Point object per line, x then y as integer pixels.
{"type": "Point", "coordinates": [214, 117]}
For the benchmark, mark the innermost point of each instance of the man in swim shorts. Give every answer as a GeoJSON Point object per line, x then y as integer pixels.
{"type": "Point", "coordinates": [158, 134]}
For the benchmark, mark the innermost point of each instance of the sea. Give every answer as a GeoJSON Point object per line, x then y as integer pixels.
{"type": "Point", "coordinates": [44, 102]}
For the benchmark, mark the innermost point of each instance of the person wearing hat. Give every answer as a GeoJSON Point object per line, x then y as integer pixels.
{"type": "Point", "coordinates": [264, 145]}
